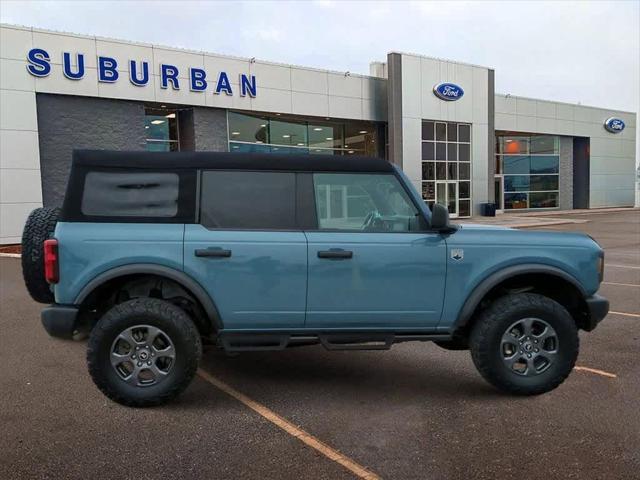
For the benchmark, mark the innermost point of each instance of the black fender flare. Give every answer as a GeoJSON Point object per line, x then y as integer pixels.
{"type": "Point", "coordinates": [500, 276]}
{"type": "Point", "coordinates": [153, 269]}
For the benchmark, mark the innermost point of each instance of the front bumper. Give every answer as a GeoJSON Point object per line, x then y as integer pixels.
{"type": "Point", "coordinates": [60, 320]}
{"type": "Point", "coordinates": [598, 308]}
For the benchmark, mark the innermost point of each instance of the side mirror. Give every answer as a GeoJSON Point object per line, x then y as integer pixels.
{"type": "Point", "coordinates": [440, 217]}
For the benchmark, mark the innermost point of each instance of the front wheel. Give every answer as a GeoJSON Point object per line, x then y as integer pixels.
{"type": "Point", "coordinates": [525, 344]}
{"type": "Point", "coordinates": [143, 352]}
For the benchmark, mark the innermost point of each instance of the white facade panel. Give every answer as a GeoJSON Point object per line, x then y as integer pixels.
{"type": "Point", "coordinates": [18, 110]}
{"type": "Point", "coordinates": [412, 151]}
{"type": "Point", "coordinates": [13, 75]}
{"type": "Point", "coordinates": [526, 107]}
{"type": "Point", "coordinates": [545, 109]}
{"type": "Point", "coordinates": [123, 53]}
{"type": "Point", "coordinates": [15, 42]}
{"type": "Point", "coordinates": [19, 185]}
{"type": "Point", "coordinates": [310, 81]}
{"type": "Point", "coordinates": [313, 104]}
{"type": "Point", "coordinates": [19, 149]}
{"type": "Point", "coordinates": [345, 85]}
{"type": "Point", "coordinates": [345, 107]}
{"type": "Point", "coordinates": [564, 111]}
{"type": "Point", "coordinates": [271, 100]}
{"type": "Point", "coordinates": [12, 218]}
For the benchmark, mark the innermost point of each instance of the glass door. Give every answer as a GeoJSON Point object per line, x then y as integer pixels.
{"type": "Point", "coordinates": [447, 194]}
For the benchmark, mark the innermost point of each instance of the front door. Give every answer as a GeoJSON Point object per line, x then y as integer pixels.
{"type": "Point", "coordinates": [371, 264]}
{"type": "Point", "coordinates": [447, 195]}
{"type": "Point", "coordinates": [247, 251]}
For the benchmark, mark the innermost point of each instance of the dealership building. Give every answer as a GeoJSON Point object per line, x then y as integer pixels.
{"type": "Point", "coordinates": [461, 143]}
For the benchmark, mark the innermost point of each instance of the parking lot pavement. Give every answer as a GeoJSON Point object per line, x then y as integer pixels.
{"type": "Point", "coordinates": [415, 411]}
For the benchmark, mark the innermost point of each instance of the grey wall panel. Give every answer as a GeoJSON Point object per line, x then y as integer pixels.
{"type": "Point", "coordinates": [566, 173]}
{"type": "Point", "coordinates": [491, 131]}
{"type": "Point", "coordinates": [581, 172]}
{"type": "Point", "coordinates": [394, 109]}
{"type": "Point", "coordinates": [66, 123]}
{"type": "Point", "coordinates": [210, 129]}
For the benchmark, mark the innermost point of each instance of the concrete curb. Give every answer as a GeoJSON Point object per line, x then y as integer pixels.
{"type": "Point", "coordinates": [547, 224]}
{"type": "Point", "coordinates": [588, 211]}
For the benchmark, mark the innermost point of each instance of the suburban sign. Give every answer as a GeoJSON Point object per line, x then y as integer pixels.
{"type": "Point", "coordinates": [448, 91]}
{"type": "Point", "coordinates": [614, 125]}
{"type": "Point", "coordinates": [73, 68]}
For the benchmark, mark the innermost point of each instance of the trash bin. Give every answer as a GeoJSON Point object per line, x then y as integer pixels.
{"type": "Point", "coordinates": [488, 209]}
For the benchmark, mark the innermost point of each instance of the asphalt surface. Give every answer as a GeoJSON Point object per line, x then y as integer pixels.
{"type": "Point", "coordinates": [415, 411]}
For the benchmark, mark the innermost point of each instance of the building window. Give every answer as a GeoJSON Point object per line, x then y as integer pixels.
{"type": "Point", "coordinates": [281, 134]}
{"type": "Point", "coordinates": [530, 167]}
{"type": "Point", "coordinates": [446, 165]}
{"type": "Point", "coordinates": [161, 130]}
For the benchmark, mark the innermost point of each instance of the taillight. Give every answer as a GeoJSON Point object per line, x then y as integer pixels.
{"type": "Point", "coordinates": [51, 272]}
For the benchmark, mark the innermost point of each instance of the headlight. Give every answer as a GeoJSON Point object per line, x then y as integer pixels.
{"type": "Point", "coordinates": [601, 267]}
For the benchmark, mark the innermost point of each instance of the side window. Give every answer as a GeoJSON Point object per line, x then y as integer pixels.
{"type": "Point", "coordinates": [367, 202]}
{"type": "Point", "coordinates": [149, 194]}
{"type": "Point", "coordinates": [248, 200]}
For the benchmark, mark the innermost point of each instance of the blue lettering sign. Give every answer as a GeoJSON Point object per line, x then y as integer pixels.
{"type": "Point", "coordinates": [74, 68]}
{"type": "Point", "coordinates": [107, 70]}
{"type": "Point", "coordinates": [614, 125]}
{"type": "Point", "coordinates": [39, 65]}
{"type": "Point", "coordinates": [448, 91]}
{"type": "Point", "coordinates": [169, 73]}
{"type": "Point", "coordinates": [133, 73]}
{"type": "Point", "coordinates": [197, 80]}
{"type": "Point", "coordinates": [247, 85]}
{"type": "Point", "coordinates": [66, 66]}
{"type": "Point", "coordinates": [223, 84]}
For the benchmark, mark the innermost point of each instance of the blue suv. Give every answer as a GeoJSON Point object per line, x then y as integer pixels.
{"type": "Point", "coordinates": [152, 253]}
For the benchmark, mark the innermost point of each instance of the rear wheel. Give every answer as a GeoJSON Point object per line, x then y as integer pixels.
{"type": "Point", "coordinates": [39, 226]}
{"type": "Point", "coordinates": [525, 344]}
{"type": "Point", "coordinates": [143, 352]}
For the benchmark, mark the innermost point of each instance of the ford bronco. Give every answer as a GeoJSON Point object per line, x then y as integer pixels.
{"type": "Point", "coordinates": [154, 253]}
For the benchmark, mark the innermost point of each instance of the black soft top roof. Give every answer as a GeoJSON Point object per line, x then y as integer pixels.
{"type": "Point", "coordinates": [229, 161]}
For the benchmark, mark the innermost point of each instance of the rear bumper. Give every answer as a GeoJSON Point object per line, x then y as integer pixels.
{"type": "Point", "coordinates": [598, 308]}
{"type": "Point", "coordinates": [60, 320]}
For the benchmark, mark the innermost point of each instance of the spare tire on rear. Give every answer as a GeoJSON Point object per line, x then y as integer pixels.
{"type": "Point", "coordinates": [39, 227]}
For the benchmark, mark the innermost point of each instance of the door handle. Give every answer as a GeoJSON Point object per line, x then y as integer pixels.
{"type": "Point", "coordinates": [335, 253]}
{"type": "Point", "coordinates": [212, 252]}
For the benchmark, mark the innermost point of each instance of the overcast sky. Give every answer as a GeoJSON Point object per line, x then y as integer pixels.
{"type": "Point", "coordinates": [585, 52]}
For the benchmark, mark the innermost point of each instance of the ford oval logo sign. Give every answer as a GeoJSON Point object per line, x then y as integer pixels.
{"type": "Point", "coordinates": [448, 91]}
{"type": "Point", "coordinates": [614, 125]}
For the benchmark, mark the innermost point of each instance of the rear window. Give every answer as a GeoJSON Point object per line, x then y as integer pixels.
{"type": "Point", "coordinates": [248, 200]}
{"type": "Point", "coordinates": [148, 194]}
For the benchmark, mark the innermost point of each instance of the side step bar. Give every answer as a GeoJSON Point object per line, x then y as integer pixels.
{"type": "Point", "coordinates": [251, 342]}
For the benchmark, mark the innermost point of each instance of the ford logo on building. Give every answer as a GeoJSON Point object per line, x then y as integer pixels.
{"type": "Point", "coordinates": [614, 125]}
{"type": "Point", "coordinates": [448, 91]}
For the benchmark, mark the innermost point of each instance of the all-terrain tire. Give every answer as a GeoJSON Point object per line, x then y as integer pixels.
{"type": "Point", "coordinates": [39, 227]}
{"type": "Point", "coordinates": [173, 321]}
{"type": "Point", "coordinates": [494, 321]}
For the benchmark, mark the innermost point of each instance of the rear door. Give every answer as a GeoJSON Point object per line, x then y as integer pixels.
{"type": "Point", "coordinates": [246, 250]}
{"type": "Point", "coordinates": [371, 262]}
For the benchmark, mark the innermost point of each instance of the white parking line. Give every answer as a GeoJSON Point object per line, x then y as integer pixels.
{"type": "Point", "coordinates": [290, 428]}
{"type": "Point", "coordinates": [625, 314]}
{"type": "Point", "coordinates": [620, 266]}
{"type": "Point", "coordinates": [621, 284]}
{"type": "Point", "coordinates": [596, 371]}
